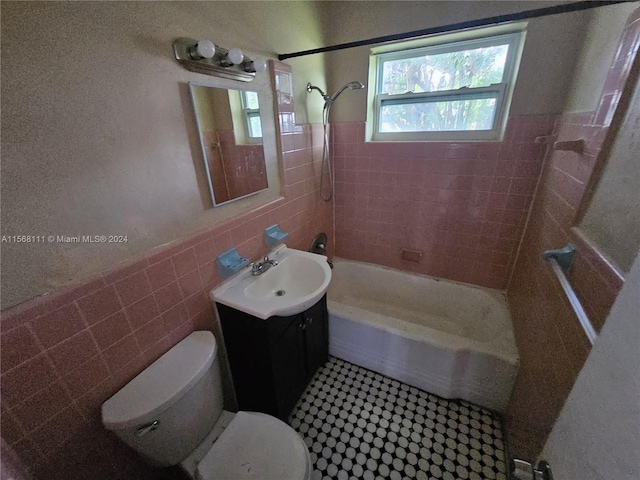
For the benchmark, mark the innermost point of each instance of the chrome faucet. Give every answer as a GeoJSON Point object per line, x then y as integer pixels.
{"type": "Point", "coordinates": [258, 268]}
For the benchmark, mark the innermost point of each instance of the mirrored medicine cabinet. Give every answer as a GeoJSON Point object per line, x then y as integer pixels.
{"type": "Point", "coordinates": [230, 130]}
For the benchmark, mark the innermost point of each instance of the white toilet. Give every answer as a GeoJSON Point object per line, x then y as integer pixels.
{"type": "Point", "coordinates": [172, 414]}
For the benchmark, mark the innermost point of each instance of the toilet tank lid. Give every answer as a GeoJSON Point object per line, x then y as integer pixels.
{"type": "Point", "coordinates": [161, 384]}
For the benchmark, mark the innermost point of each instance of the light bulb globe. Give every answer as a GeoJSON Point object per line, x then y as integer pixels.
{"type": "Point", "coordinates": [235, 56]}
{"type": "Point", "coordinates": [205, 48]}
{"type": "Point", "coordinates": [259, 65]}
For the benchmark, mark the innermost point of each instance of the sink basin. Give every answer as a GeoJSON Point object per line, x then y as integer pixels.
{"type": "Point", "coordinates": [298, 281]}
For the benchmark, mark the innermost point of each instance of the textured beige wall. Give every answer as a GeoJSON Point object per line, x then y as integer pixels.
{"type": "Point", "coordinates": [221, 106]}
{"type": "Point", "coordinates": [203, 106]}
{"type": "Point", "coordinates": [547, 63]}
{"type": "Point", "coordinates": [98, 134]}
{"type": "Point", "coordinates": [612, 220]}
{"type": "Point", "coordinates": [601, 41]}
{"type": "Point", "coordinates": [213, 108]}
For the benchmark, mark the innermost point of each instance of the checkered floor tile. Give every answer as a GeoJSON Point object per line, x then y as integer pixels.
{"type": "Point", "coordinates": [359, 424]}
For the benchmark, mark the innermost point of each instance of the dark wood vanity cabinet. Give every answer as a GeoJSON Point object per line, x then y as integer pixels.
{"type": "Point", "coordinates": [273, 360]}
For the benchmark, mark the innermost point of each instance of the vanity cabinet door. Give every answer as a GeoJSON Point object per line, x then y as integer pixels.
{"type": "Point", "coordinates": [273, 360]}
{"type": "Point", "coordinates": [316, 337]}
{"type": "Point", "coordinates": [288, 363]}
{"type": "Point", "coordinates": [249, 353]}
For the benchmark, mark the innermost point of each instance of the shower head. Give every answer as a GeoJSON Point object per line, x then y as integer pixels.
{"type": "Point", "coordinates": [351, 85]}
{"type": "Point", "coordinates": [329, 100]}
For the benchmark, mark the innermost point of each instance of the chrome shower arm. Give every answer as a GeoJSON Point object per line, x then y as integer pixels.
{"type": "Point", "coordinates": [310, 88]}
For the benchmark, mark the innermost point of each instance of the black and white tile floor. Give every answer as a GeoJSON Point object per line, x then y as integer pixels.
{"type": "Point", "coordinates": [359, 424]}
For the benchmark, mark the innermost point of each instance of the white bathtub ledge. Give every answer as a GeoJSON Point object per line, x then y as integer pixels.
{"type": "Point", "coordinates": [422, 333]}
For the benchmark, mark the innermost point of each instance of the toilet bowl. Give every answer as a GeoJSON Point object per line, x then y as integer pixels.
{"type": "Point", "coordinates": [171, 414]}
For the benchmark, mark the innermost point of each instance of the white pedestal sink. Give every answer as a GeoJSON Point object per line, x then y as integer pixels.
{"type": "Point", "coordinates": [296, 283]}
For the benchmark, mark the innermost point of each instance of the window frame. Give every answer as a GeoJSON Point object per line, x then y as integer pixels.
{"type": "Point", "coordinates": [247, 114]}
{"type": "Point", "coordinates": [486, 37]}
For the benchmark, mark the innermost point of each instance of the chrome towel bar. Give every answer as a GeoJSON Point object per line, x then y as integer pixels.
{"type": "Point", "coordinates": [561, 260]}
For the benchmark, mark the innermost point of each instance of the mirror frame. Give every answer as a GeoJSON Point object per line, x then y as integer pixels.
{"type": "Point", "coordinates": [202, 143]}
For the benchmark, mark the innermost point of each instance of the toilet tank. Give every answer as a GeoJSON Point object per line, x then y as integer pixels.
{"type": "Point", "coordinates": [168, 409]}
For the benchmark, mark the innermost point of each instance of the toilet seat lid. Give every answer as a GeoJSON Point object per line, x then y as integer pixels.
{"type": "Point", "coordinates": [258, 447]}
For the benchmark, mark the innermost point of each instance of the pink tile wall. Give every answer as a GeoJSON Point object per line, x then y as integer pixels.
{"type": "Point", "coordinates": [244, 166]}
{"type": "Point", "coordinates": [65, 353]}
{"type": "Point", "coordinates": [216, 167]}
{"type": "Point", "coordinates": [551, 344]}
{"type": "Point", "coordinates": [463, 205]}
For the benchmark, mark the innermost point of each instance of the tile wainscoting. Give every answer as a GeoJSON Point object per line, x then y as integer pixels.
{"type": "Point", "coordinates": [462, 206]}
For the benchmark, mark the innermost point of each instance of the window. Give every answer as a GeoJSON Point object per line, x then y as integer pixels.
{"type": "Point", "coordinates": [458, 89]}
{"type": "Point", "coordinates": [251, 115]}
{"type": "Point", "coordinates": [245, 115]}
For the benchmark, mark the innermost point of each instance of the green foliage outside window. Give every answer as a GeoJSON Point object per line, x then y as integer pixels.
{"type": "Point", "coordinates": [450, 71]}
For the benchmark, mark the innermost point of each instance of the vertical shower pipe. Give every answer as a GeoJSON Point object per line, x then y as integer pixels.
{"type": "Point", "coordinates": [326, 152]}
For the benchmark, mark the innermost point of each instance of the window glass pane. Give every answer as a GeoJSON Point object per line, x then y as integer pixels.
{"type": "Point", "coordinates": [476, 67]}
{"type": "Point", "coordinates": [442, 116]}
{"type": "Point", "coordinates": [251, 100]}
{"type": "Point", "coordinates": [255, 127]}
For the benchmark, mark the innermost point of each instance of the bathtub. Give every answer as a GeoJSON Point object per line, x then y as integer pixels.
{"type": "Point", "coordinates": [446, 338]}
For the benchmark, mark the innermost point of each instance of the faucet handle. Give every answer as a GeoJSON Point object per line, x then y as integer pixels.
{"type": "Point", "coordinates": [267, 260]}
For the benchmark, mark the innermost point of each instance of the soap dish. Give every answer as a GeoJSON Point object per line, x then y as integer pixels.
{"type": "Point", "coordinates": [231, 262]}
{"type": "Point", "coordinates": [273, 235]}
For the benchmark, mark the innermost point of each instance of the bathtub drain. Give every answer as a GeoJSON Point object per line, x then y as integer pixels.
{"type": "Point", "coordinates": [280, 293]}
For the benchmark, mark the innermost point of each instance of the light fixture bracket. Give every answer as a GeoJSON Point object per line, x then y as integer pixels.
{"type": "Point", "coordinates": [210, 66]}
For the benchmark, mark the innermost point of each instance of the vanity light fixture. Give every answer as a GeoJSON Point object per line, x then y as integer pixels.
{"type": "Point", "coordinates": [203, 56]}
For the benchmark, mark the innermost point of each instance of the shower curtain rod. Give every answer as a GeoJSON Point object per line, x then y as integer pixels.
{"type": "Point", "coordinates": [510, 17]}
